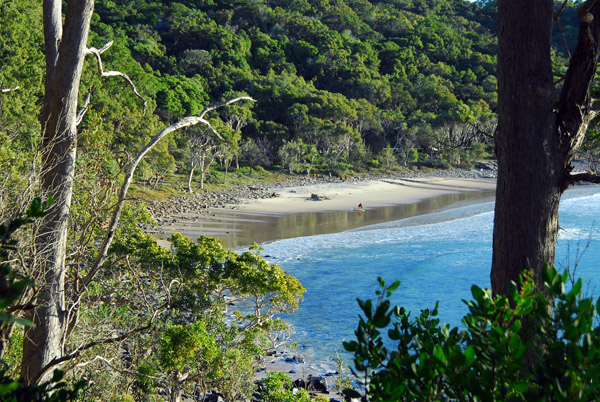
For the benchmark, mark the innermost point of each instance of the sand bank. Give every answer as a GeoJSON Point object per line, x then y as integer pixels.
{"type": "Point", "coordinates": [370, 194]}
{"type": "Point", "coordinates": [325, 208]}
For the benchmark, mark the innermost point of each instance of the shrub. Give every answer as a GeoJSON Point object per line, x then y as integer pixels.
{"type": "Point", "coordinates": [525, 347]}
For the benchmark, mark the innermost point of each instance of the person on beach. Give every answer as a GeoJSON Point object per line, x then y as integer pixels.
{"type": "Point", "coordinates": [360, 206]}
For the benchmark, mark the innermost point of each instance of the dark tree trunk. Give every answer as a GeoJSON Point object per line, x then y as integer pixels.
{"type": "Point", "coordinates": [537, 136]}
{"type": "Point", "coordinates": [59, 139]}
{"type": "Point", "coordinates": [530, 172]}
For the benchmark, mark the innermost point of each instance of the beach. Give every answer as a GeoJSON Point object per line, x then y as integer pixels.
{"type": "Point", "coordinates": [276, 212]}
{"type": "Point", "coordinates": [283, 212]}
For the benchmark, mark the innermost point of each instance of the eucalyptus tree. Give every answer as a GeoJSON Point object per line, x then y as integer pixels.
{"type": "Point", "coordinates": [57, 305]}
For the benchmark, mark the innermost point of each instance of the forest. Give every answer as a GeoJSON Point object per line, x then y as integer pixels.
{"type": "Point", "coordinates": [336, 86]}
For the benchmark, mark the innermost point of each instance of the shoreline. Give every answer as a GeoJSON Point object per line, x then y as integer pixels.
{"type": "Point", "coordinates": [240, 219]}
{"type": "Point", "coordinates": [307, 207]}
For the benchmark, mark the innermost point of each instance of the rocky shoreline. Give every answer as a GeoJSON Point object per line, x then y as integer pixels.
{"type": "Point", "coordinates": [229, 198]}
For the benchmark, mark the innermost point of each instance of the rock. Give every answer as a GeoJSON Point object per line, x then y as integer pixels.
{"type": "Point", "coordinates": [318, 384]}
{"type": "Point", "coordinates": [214, 397]}
{"type": "Point", "coordinates": [299, 383]}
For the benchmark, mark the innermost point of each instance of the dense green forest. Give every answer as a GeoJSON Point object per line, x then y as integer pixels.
{"type": "Point", "coordinates": [339, 86]}
{"type": "Point", "coordinates": [336, 83]}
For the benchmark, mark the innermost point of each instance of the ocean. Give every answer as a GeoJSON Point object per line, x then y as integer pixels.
{"type": "Point", "coordinates": [437, 257]}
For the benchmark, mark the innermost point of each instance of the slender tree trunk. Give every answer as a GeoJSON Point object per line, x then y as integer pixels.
{"type": "Point", "coordinates": [191, 175]}
{"type": "Point", "coordinates": [44, 342]}
{"type": "Point", "coordinates": [202, 164]}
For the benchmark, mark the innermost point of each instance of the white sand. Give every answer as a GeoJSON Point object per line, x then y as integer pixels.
{"type": "Point", "coordinates": [372, 194]}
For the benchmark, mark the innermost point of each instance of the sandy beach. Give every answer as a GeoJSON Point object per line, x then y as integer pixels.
{"type": "Point", "coordinates": [370, 194]}
{"type": "Point", "coordinates": [324, 208]}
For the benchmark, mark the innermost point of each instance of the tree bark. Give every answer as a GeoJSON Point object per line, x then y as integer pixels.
{"type": "Point", "coordinates": [64, 60]}
{"type": "Point", "coordinates": [191, 175]}
{"type": "Point", "coordinates": [536, 137]}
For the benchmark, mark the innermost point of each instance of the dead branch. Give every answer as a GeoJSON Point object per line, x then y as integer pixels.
{"type": "Point", "coordinates": [587, 177]}
{"type": "Point", "coordinates": [562, 35]}
{"type": "Point", "coordinates": [83, 111]}
{"type": "Point", "coordinates": [185, 122]}
{"type": "Point", "coordinates": [562, 7]}
{"type": "Point", "coordinates": [5, 90]}
{"type": "Point", "coordinates": [119, 370]}
{"type": "Point", "coordinates": [97, 54]}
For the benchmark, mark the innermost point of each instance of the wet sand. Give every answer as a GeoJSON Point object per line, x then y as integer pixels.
{"type": "Point", "coordinates": [294, 213]}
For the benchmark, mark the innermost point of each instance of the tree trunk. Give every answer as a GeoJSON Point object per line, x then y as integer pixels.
{"type": "Point", "coordinates": [202, 164]}
{"type": "Point", "coordinates": [537, 136]}
{"type": "Point", "coordinates": [59, 140]}
{"type": "Point", "coordinates": [191, 175]}
{"type": "Point", "coordinates": [530, 172]}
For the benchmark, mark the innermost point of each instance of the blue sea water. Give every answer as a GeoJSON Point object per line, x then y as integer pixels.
{"type": "Point", "coordinates": [437, 257]}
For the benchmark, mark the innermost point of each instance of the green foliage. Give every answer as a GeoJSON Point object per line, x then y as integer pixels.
{"type": "Point", "coordinates": [198, 335]}
{"type": "Point", "coordinates": [314, 67]}
{"type": "Point", "coordinates": [279, 389]}
{"type": "Point", "coordinates": [328, 73]}
{"type": "Point", "coordinates": [525, 347]}
{"type": "Point", "coordinates": [180, 343]}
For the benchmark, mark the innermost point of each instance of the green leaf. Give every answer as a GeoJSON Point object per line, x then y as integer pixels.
{"type": "Point", "coordinates": [514, 344]}
{"type": "Point", "coordinates": [469, 355]}
{"type": "Point", "coordinates": [393, 286]}
{"type": "Point", "coordinates": [477, 292]}
{"type": "Point", "coordinates": [438, 352]}
{"type": "Point", "coordinates": [6, 388]}
{"type": "Point", "coordinates": [520, 386]}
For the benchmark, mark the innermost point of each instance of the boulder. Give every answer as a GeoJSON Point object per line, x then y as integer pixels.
{"type": "Point", "coordinates": [318, 384]}
{"type": "Point", "coordinates": [214, 397]}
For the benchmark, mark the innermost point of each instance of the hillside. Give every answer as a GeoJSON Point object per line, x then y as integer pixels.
{"type": "Point", "coordinates": [340, 85]}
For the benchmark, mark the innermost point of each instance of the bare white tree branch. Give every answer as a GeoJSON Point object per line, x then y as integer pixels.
{"type": "Point", "coordinates": [83, 111]}
{"type": "Point", "coordinates": [4, 90]}
{"type": "Point", "coordinates": [97, 54]}
{"type": "Point", "coordinates": [185, 122]}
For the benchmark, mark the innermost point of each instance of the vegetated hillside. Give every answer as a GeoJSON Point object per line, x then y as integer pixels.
{"type": "Point", "coordinates": [349, 77]}
{"type": "Point", "coordinates": [339, 84]}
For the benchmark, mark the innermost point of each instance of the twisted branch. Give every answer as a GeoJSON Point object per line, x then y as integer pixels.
{"type": "Point", "coordinates": [97, 54]}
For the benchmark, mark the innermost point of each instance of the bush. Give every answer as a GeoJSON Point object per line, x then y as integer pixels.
{"type": "Point", "coordinates": [510, 349]}
{"type": "Point", "coordinates": [279, 389]}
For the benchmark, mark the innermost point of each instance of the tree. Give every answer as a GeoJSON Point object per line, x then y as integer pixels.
{"type": "Point", "coordinates": [57, 306]}
{"type": "Point", "coordinates": [65, 51]}
{"type": "Point", "coordinates": [538, 133]}
{"type": "Point", "coordinates": [254, 153]}
{"type": "Point", "coordinates": [202, 153]}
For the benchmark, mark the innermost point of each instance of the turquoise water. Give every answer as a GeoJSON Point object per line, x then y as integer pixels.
{"type": "Point", "coordinates": [437, 257]}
